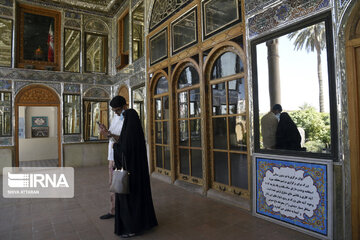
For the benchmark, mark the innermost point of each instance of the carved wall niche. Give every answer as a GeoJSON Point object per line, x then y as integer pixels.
{"type": "Point", "coordinates": [36, 94]}
{"type": "Point", "coordinates": [124, 92]}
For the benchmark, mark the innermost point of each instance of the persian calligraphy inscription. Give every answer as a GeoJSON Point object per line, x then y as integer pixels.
{"type": "Point", "coordinates": [296, 192]}
{"type": "Point", "coordinates": [290, 193]}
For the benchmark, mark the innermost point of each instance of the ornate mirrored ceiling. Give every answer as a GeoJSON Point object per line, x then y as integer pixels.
{"type": "Point", "coordinates": [107, 7]}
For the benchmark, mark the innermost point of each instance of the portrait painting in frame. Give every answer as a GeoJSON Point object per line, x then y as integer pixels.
{"type": "Point", "coordinates": [39, 38]}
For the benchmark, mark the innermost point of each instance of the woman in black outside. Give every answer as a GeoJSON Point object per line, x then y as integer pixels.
{"type": "Point", "coordinates": [287, 134]}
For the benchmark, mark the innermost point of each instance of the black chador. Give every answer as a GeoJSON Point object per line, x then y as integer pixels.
{"type": "Point", "coordinates": [134, 212]}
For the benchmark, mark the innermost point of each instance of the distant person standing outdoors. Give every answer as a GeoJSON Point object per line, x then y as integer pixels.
{"type": "Point", "coordinates": [269, 124]}
{"type": "Point", "coordinates": [287, 134]}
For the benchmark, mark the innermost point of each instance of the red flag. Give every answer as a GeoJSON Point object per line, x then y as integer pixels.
{"type": "Point", "coordinates": [50, 43]}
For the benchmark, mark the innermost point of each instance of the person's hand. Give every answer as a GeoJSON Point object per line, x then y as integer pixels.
{"type": "Point", "coordinates": [103, 130]}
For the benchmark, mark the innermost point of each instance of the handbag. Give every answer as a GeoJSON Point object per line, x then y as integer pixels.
{"type": "Point", "coordinates": [120, 180]}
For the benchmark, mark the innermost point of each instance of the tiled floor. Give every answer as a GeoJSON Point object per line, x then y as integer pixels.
{"type": "Point", "coordinates": [181, 215]}
{"type": "Point", "coordinates": [39, 163]}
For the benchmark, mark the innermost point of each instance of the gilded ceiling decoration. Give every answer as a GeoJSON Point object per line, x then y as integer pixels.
{"type": "Point", "coordinates": [106, 7]}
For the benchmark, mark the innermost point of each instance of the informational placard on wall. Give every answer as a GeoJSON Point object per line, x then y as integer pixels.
{"type": "Point", "coordinates": [295, 192]}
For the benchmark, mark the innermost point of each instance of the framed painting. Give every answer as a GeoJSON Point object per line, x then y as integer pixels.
{"type": "Point", "coordinates": [38, 39]}
{"type": "Point", "coordinates": [39, 132]}
{"type": "Point", "coordinates": [39, 121]}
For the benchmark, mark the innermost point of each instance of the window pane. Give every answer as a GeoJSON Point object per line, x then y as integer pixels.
{"type": "Point", "coordinates": [167, 158]}
{"type": "Point", "coordinates": [126, 33]}
{"type": "Point", "coordinates": [158, 47]}
{"type": "Point", "coordinates": [304, 94]}
{"type": "Point", "coordinates": [158, 135]}
{"type": "Point", "coordinates": [72, 50]}
{"type": "Point", "coordinates": [237, 130]}
{"type": "Point", "coordinates": [71, 114]}
{"type": "Point", "coordinates": [138, 32]}
{"type": "Point", "coordinates": [184, 161]}
{"type": "Point", "coordinates": [6, 38]}
{"type": "Point", "coordinates": [183, 105]}
{"type": "Point", "coordinates": [166, 107]}
{"type": "Point", "coordinates": [5, 114]}
{"type": "Point", "coordinates": [161, 86]}
{"type": "Point", "coordinates": [219, 13]}
{"type": "Point", "coordinates": [166, 132]}
{"type": "Point", "coordinates": [189, 76]}
{"type": "Point", "coordinates": [227, 64]}
{"type": "Point", "coordinates": [158, 109]}
{"type": "Point", "coordinates": [195, 129]}
{"type": "Point", "coordinates": [184, 32]}
{"type": "Point", "coordinates": [221, 167]}
{"type": "Point", "coordinates": [95, 111]}
{"type": "Point", "coordinates": [196, 163]}
{"type": "Point", "coordinates": [239, 170]}
{"type": "Point", "coordinates": [219, 99]}
{"type": "Point", "coordinates": [159, 162]}
{"type": "Point", "coordinates": [220, 133]}
{"type": "Point", "coordinates": [96, 55]}
{"type": "Point", "coordinates": [183, 133]}
{"type": "Point", "coordinates": [195, 109]}
{"type": "Point", "coordinates": [237, 96]}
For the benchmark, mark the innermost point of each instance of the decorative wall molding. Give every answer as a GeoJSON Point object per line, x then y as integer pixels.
{"type": "Point", "coordinates": [8, 3]}
{"type": "Point", "coordinates": [97, 92]}
{"type": "Point", "coordinates": [72, 88]}
{"type": "Point", "coordinates": [6, 12]}
{"type": "Point", "coordinates": [283, 13]}
{"type": "Point", "coordinates": [253, 6]}
{"type": "Point", "coordinates": [72, 138]}
{"type": "Point", "coordinates": [6, 141]}
{"type": "Point", "coordinates": [5, 85]}
{"type": "Point", "coordinates": [49, 76]}
{"type": "Point", "coordinates": [92, 24]}
{"type": "Point", "coordinates": [72, 23]}
{"type": "Point", "coordinates": [36, 94]}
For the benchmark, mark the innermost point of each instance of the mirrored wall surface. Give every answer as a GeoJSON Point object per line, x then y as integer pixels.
{"type": "Point", "coordinates": [138, 32]}
{"type": "Point", "coordinates": [294, 70]}
{"type": "Point", "coordinates": [72, 50]}
{"type": "Point", "coordinates": [5, 114]}
{"type": "Point", "coordinates": [184, 31]}
{"type": "Point", "coordinates": [5, 42]}
{"type": "Point", "coordinates": [95, 53]}
{"type": "Point", "coordinates": [158, 47]}
{"type": "Point", "coordinates": [138, 97]}
{"type": "Point", "coordinates": [218, 14]}
{"type": "Point", "coordinates": [94, 112]}
{"type": "Point", "coordinates": [71, 114]}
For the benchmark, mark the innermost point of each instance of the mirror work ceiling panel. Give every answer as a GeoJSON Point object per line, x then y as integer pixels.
{"type": "Point", "coordinates": [107, 7]}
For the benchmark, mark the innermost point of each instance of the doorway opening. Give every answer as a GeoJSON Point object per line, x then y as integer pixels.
{"type": "Point", "coordinates": [37, 122]}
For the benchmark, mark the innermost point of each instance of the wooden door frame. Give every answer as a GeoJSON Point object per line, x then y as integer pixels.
{"type": "Point", "coordinates": [52, 100]}
{"type": "Point", "coordinates": [353, 85]}
{"type": "Point", "coordinates": [187, 62]}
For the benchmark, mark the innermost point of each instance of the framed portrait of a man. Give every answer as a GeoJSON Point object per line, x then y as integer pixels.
{"type": "Point", "coordinates": [38, 38]}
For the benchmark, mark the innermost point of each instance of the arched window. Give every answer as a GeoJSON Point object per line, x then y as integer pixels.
{"type": "Point", "coordinates": [188, 138]}
{"type": "Point", "coordinates": [162, 127]}
{"type": "Point", "coordinates": [228, 123]}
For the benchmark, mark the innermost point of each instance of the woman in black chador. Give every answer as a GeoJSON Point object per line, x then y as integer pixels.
{"type": "Point", "coordinates": [134, 212]}
{"type": "Point", "coordinates": [287, 134]}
